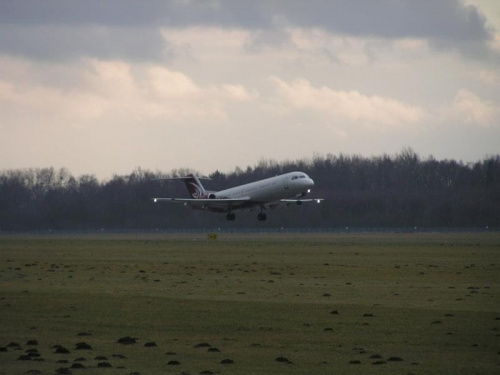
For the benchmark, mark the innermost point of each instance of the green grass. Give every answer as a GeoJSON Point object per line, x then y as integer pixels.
{"type": "Point", "coordinates": [433, 297]}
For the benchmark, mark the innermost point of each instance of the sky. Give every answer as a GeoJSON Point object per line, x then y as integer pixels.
{"type": "Point", "coordinates": [104, 87]}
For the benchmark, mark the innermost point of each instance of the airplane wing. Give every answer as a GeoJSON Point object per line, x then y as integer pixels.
{"type": "Point", "coordinates": [300, 201]}
{"type": "Point", "coordinates": [222, 202]}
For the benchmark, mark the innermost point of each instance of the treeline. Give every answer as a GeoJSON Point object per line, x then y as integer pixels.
{"type": "Point", "coordinates": [385, 191]}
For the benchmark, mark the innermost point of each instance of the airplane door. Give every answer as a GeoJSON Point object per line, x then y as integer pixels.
{"type": "Point", "coordinates": [285, 183]}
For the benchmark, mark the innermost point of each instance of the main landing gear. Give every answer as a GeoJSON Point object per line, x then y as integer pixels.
{"type": "Point", "coordinates": [261, 217]}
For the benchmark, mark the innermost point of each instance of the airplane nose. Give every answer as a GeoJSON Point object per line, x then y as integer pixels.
{"type": "Point", "coordinates": [308, 184]}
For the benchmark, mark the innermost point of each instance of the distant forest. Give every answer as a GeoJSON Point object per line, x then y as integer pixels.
{"type": "Point", "coordinates": [400, 191]}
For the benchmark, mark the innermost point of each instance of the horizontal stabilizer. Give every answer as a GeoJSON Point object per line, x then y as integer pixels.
{"type": "Point", "coordinates": [180, 178]}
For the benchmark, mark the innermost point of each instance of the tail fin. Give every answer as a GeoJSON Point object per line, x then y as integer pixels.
{"type": "Point", "coordinates": [194, 186]}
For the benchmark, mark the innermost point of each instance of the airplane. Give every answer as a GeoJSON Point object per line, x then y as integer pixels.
{"type": "Point", "coordinates": [265, 194]}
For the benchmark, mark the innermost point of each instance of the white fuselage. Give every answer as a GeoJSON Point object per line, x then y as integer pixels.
{"type": "Point", "coordinates": [271, 189]}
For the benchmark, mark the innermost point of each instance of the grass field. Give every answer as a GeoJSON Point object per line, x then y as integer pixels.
{"type": "Point", "coordinates": [270, 304]}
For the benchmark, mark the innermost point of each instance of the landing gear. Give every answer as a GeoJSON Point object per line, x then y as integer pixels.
{"type": "Point", "coordinates": [262, 216]}
{"type": "Point", "coordinates": [230, 216]}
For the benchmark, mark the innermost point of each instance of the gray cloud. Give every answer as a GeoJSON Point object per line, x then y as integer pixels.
{"type": "Point", "coordinates": [447, 24]}
{"type": "Point", "coordinates": [60, 12]}
{"type": "Point", "coordinates": [443, 19]}
{"type": "Point", "coordinates": [58, 42]}
{"type": "Point", "coordinates": [128, 28]}
{"type": "Point", "coordinates": [448, 19]}
{"type": "Point", "coordinates": [154, 13]}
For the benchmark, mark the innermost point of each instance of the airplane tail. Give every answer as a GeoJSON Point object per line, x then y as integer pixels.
{"type": "Point", "coordinates": [194, 186]}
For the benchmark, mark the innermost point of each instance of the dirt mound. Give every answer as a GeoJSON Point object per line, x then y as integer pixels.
{"type": "Point", "coordinates": [82, 346]}
{"type": "Point", "coordinates": [203, 345]}
{"type": "Point", "coordinates": [283, 360]}
{"type": "Point", "coordinates": [61, 350]}
{"type": "Point", "coordinates": [395, 359]}
{"type": "Point", "coordinates": [127, 340]}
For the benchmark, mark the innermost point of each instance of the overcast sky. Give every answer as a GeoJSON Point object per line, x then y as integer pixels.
{"type": "Point", "coordinates": [102, 87]}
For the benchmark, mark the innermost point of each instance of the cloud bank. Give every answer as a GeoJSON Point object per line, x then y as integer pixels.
{"type": "Point", "coordinates": [62, 29]}
{"type": "Point", "coordinates": [102, 87]}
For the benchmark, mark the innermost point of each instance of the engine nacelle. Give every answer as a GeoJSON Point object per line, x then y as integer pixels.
{"type": "Point", "coordinates": [212, 196]}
